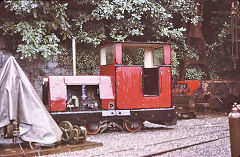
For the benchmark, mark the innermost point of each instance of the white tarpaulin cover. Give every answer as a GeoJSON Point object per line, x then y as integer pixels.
{"type": "Point", "coordinates": [20, 102]}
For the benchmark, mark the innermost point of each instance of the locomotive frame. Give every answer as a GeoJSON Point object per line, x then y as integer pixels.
{"type": "Point", "coordinates": [123, 95]}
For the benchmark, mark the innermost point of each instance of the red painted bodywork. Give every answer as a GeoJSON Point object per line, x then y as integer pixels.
{"type": "Point", "coordinates": [129, 89]}
{"type": "Point", "coordinates": [58, 89]}
{"type": "Point", "coordinates": [164, 98]}
{"type": "Point", "coordinates": [118, 53]}
{"type": "Point", "coordinates": [57, 93]}
{"type": "Point", "coordinates": [167, 54]}
{"type": "Point", "coordinates": [109, 70]}
{"type": "Point", "coordinates": [190, 86]}
{"type": "Point", "coordinates": [127, 83]}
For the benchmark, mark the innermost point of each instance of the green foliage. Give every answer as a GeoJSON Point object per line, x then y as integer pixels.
{"type": "Point", "coordinates": [217, 35]}
{"type": "Point", "coordinates": [174, 62]}
{"type": "Point", "coordinates": [194, 74]}
{"type": "Point", "coordinates": [35, 40]}
{"type": "Point", "coordinates": [221, 60]}
{"type": "Point", "coordinates": [132, 18]}
{"type": "Point", "coordinates": [21, 6]}
{"type": "Point", "coordinates": [45, 28]}
{"type": "Point", "coordinates": [87, 60]}
{"type": "Point", "coordinates": [220, 43]}
{"type": "Point", "coordinates": [133, 56]}
{"type": "Point", "coordinates": [39, 36]}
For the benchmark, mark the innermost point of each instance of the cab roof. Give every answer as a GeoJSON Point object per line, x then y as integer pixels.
{"type": "Point", "coordinates": [135, 44]}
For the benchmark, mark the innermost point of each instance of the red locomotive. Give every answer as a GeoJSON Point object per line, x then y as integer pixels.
{"type": "Point", "coordinates": [183, 97]}
{"type": "Point", "coordinates": [123, 95]}
{"type": "Point", "coordinates": [190, 96]}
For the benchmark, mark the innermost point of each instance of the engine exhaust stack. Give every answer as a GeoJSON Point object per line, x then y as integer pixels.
{"type": "Point", "coordinates": [74, 55]}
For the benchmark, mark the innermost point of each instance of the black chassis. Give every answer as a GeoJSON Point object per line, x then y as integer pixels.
{"type": "Point", "coordinates": [165, 116]}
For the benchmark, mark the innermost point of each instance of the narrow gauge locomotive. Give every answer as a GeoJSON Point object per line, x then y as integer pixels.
{"type": "Point", "coordinates": [123, 95]}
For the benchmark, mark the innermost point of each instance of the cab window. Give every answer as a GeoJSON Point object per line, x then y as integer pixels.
{"type": "Point", "coordinates": [107, 56]}
{"type": "Point", "coordinates": [158, 56]}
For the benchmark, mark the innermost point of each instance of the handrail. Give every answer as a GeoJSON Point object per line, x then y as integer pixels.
{"type": "Point", "coordinates": [160, 91]}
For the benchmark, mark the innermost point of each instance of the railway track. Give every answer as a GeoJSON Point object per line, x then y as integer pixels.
{"type": "Point", "coordinates": [184, 147]}
{"type": "Point", "coordinates": [207, 136]}
{"type": "Point", "coordinates": [222, 133]}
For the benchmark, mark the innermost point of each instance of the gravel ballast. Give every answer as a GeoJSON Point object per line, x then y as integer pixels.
{"type": "Point", "coordinates": [154, 139]}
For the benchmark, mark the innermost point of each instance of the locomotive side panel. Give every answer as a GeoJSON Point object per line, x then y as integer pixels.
{"type": "Point", "coordinates": [57, 93]}
{"type": "Point", "coordinates": [109, 70]}
{"type": "Point", "coordinates": [164, 98]}
{"type": "Point", "coordinates": [129, 87]}
{"type": "Point", "coordinates": [133, 94]}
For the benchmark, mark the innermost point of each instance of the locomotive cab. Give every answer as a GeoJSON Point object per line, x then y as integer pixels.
{"type": "Point", "coordinates": [143, 90]}
{"type": "Point", "coordinates": [124, 95]}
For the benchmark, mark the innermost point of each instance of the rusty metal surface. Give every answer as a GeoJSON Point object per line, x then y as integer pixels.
{"type": "Point", "coordinates": [220, 94]}
{"type": "Point", "coordinates": [16, 151]}
{"type": "Point", "coordinates": [206, 94]}
{"type": "Point", "coordinates": [234, 32]}
{"type": "Point", "coordinates": [183, 88]}
{"type": "Point", "coordinates": [220, 88]}
{"type": "Point", "coordinates": [183, 98]}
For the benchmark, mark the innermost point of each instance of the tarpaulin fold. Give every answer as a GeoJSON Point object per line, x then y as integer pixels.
{"type": "Point", "coordinates": [20, 102]}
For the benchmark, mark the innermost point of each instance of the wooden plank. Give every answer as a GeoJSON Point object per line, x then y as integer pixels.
{"type": "Point", "coordinates": [16, 151]}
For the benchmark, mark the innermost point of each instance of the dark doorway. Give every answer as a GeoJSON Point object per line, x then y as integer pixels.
{"type": "Point", "coordinates": [150, 82]}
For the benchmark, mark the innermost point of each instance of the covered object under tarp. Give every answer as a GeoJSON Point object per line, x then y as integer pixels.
{"type": "Point", "coordinates": [19, 102]}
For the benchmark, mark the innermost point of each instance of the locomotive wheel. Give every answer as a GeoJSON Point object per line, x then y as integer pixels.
{"type": "Point", "coordinates": [78, 128]}
{"type": "Point", "coordinates": [76, 133]}
{"type": "Point", "coordinates": [92, 128]}
{"type": "Point", "coordinates": [132, 126]}
{"type": "Point", "coordinates": [66, 128]}
{"type": "Point", "coordinates": [83, 134]}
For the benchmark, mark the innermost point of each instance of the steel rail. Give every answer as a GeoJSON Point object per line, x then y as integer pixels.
{"type": "Point", "coordinates": [184, 147]}
{"type": "Point", "coordinates": [173, 149]}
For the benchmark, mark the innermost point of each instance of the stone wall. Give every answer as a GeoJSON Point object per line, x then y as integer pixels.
{"type": "Point", "coordinates": [34, 70]}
